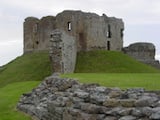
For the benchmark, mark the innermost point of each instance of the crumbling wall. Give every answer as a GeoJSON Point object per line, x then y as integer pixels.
{"type": "Point", "coordinates": [143, 52]}
{"type": "Point", "coordinates": [37, 33]}
{"type": "Point", "coordinates": [30, 34]}
{"type": "Point", "coordinates": [46, 25]}
{"type": "Point", "coordinates": [90, 30]}
{"type": "Point", "coordinates": [66, 99]}
{"type": "Point", "coordinates": [73, 31]}
{"type": "Point", "coordinates": [63, 52]}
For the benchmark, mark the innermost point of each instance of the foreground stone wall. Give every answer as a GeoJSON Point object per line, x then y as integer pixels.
{"type": "Point", "coordinates": [66, 99]}
{"type": "Point", "coordinates": [143, 52]}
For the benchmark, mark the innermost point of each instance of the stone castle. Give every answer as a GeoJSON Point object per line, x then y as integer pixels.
{"type": "Point", "coordinates": [72, 31]}
{"type": "Point", "coordinates": [59, 98]}
{"type": "Point", "coordinates": [69, 32]}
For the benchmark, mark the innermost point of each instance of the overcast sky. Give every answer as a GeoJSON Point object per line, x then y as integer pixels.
{"type": "Point", "coordinates": [141, 18]}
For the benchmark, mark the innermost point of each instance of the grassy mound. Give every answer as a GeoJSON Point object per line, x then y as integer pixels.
{"type": "Point", "coordinates": [9, 96]}
{"type": "Point", "coordinates": [26, 72]}
{"type": "Point", "coordinates": [20, 76]}
{"type": "Point", "coordinates": [109, 62]}
{"type": "Point", "coordinates": [28, 67]}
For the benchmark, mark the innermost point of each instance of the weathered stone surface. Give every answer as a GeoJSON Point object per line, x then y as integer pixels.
{"type": "Point", "coordinates": [127, 102]}
{"type": "Point", "coordinates": [155, 116]}
{"type": "Point", "coordinates": [90, 30]}
{"type": "Point", "coordinates": [66, 99]}
{"type": "Point", "coordinates": [115, 93]}
{"type": "Point", "coordinates": [69, 32]}
{"type": "Point", "coordinates": [128, 118]}
{"type": "Point", "coordinates": [110, 118]}
{"type": "Point", "coordinates": [111, 103]}
{"type": "Point", "coordinates": [145, 101]}
{"type": "Point", "coordinates": [63, 52]}
{"type": "Point", "coordinates": [143, 52]}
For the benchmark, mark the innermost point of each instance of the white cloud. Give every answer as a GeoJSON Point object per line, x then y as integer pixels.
{"type": "Point", "coordinates": [157, 57]}
{"type": "Point", "coordinates": [135, 13]}
{"type": "Point", "coordinates": [10, 50]}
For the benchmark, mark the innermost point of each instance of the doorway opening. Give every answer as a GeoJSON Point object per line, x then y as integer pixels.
{"type": "Point", "coordinates": [108, 45]}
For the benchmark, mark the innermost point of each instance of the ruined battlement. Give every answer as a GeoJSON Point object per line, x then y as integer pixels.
{"type": "Point", "coordinates": [90, 30]}
{"type": "Point", "coordinates": [70, 31]}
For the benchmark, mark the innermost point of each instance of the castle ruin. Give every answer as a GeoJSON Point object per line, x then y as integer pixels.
{"type": "Point", "coordinates": [143, 52]}
{"type": "Point", "coordinates": [69, 32]}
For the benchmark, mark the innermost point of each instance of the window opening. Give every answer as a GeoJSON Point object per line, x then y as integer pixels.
{"type": "Point", "coordinates": [37, 42]}
{"type": "Point", "coordinates": [69, 26]}
{"type": "Point", "coordinates": [109, 31]}
{"type": "Point", "coordinates": [108, 45]}
{"type": "Point", "coordinates": [51, 36]}
{"type": "Point", "coordinates": [121, 33]}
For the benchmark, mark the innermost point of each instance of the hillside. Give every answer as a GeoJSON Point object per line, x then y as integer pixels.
{"type": "Point", "coordinates": [28, 67]}
{"type": "Point", "coordinates": [26, 72]}
{"type": "Point", "coordinates": [36, 66]}
{"type": "Point", "coordinates": [109, 62]}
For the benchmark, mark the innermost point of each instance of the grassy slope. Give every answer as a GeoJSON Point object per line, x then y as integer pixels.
{"type": "Point", "coordinates": [29, 67]}
{"type": "Point", "coordinates": [20, 76]}
{"type": "Point", "coordinates": [9, 96]}
{"type": "Point", "coordinates": [34, 67]}
{"type": "Point", "coordinates": [150, 81]}
{"type": "Point", "coordinates": [110, 62]}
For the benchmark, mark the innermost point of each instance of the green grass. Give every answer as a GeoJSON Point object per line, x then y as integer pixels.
{"type": "Point", "coordinates": [20, 76]}
{"type": "Point", "coordinates": [149, 81]}
{"type": "Point", "coordinates": [25, 72]}
{"type": "Point", "coordinates": [28, 67]}
{"type": "Point", "coordinates": [109, 62]}
{"type": "Point", "coordinates": [9, 96]}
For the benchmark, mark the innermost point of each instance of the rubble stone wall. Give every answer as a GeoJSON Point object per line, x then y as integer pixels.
{"type": "Point", "coordinates": [66, 99]}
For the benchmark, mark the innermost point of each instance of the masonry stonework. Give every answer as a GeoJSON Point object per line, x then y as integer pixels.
{"type": "Point", "coordinates": [78, 31]}
{"type": "Point", "coordinates": [63, 52]}
{"type": "Point", "coordinates": [67, 99]}
{"type": "Point", "coordinates": [143, 52]}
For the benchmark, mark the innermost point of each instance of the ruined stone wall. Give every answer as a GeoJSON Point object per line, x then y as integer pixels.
{"type": "Point", "coordinates": [143, 52]}
{"type": "Point", "coordinates": [78, 31]}
{"type": "Point", "coordinates": [63, 52]}
{"type": "Point", "coordinates": [90, 30]}
{"type": "Point", "coordinates": [30, 34]}
{"type": "Point", "coordinates": [46, 26]}
{"type": "Point", "coordinates": [37, 33]}
{"type": "Point", "coordinates": [66, 99]}
{"type": "Point", "coordinates": [117, 28]}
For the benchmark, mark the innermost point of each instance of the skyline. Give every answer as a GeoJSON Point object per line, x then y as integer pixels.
{"type": "Point", "coordinates": [141, 18]}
